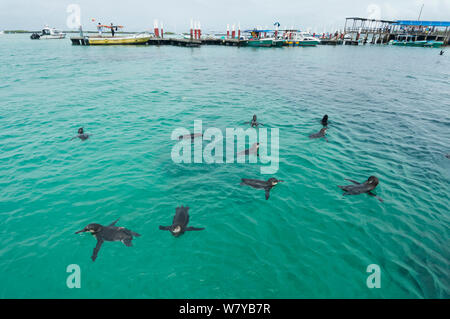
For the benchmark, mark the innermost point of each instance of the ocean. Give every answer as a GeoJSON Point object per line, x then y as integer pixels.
{"type": "Point", "coordinates": [389, 116]}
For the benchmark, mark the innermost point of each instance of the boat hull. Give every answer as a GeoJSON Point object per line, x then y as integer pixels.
{"type": "Point", "coordinates": [118, 41]}
{"type": "Point", "coordinates": [52, 37]}
{"type": "Point", "coordinates": [301, 43]}
{"type": "Point", "coordinates": [434, 44]}
{"type": "Point", "coordinates": [260, 43]}
{"type": "Point", "coordinates": [424, 44]}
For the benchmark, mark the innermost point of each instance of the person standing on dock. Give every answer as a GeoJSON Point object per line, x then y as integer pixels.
{"type": "Point", "coordinates": [112, 29]}
{"type": "Point", "coordinates": [100, 29]}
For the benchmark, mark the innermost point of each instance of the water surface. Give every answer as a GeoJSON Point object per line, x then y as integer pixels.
{"type": "Point", "coordinates": [389, 117]}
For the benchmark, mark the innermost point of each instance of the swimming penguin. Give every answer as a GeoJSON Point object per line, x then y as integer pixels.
{"type": "Point", "coordinates": [81, 135]}
{"type": "Point", "coordinates": [109, 233]}
{"type": "Point", "coordinates": [179, 223]}
{"type": "Point", "coordinates": [254, 122]}
{"type": "Point", "coordinates": [320, 134]}
{"type": "Point", "coordinates": [258, 184]}
{"type": "Point", "coordinates": [358, 188]}
{"type": "Point", "coordinates": [448, 156]}
{"type": "Point", "coordinates": [190, 136]}
{"type": "Point", "coordinates": [254, 150]}
{"type": "Point", "coordinates": [325, 120]}
{"type": "Point", "coordinates": [441, 53]}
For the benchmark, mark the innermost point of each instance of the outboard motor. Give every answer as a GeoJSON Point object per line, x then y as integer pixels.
{"type": "Point", "coordinates": [35, 36]}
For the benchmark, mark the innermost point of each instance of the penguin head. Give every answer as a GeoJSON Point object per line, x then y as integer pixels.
{"type": "Point", "coordinates": [372, 180]}
{"type": "Point", "coordinates": [273, 181]}
{"type": "Point", "coordinates": [254, 117]}
{"type": "Point", "coordinates": [325, 118]}
{"type": "Point", "coordinates": [176, 230]}
{"type": "Point", "coordinates": [80, 130]}
{"type": "Point", "coordinates": [92, 228]}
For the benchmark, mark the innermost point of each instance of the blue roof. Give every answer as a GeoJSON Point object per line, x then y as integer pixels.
{"type": "Point", "coordinates": [259, 31]}
{"type": "Point", "coordinates": [424, 23]}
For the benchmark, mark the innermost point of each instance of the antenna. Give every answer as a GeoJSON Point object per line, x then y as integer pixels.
{"type": "Point", "coordinates": [420, 11]}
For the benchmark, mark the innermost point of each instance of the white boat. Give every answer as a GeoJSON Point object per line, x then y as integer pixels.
{"type": "Point", "coordinates": [300, 38]}
{"type": "Point", "coordinates": [47, 34]}
{"type": "Point", "coordinates": [1, 32]}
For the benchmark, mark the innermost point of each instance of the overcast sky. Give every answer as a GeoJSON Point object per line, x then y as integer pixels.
{"type": "Point", "coordinates": [138, 15]}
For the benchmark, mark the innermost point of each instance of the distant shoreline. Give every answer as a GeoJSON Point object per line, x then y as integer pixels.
{"type": "Point", "coordinates": [76, 32]}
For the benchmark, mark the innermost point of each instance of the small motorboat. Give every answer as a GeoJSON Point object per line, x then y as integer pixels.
{"type": "Point", "coordinates": [263, 38]}
{"type": "Point", "coordinates": [48, 34]}
{"type": "Point", "coordinates": [300, 38]}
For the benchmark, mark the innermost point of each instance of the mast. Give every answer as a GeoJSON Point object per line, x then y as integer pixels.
{"type": "Point", "coordinates": [420, 13]}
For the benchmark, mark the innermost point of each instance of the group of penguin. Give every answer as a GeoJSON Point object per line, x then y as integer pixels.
{"type": "Point", "coordinates": [181, 219]}
{"type": "Point", "coordinates": [114, 233]}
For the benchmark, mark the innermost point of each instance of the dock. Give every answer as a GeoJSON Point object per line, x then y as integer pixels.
{"type": "Point", "coordinates": [357, 31]}
{"type": "Point", "coordinates": [363, 30]}
{"type": "Point", "coordinates": [78, 40]}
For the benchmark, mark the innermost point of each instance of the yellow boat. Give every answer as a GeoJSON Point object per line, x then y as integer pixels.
{"type": "Point", "coordinates": [136, 39]}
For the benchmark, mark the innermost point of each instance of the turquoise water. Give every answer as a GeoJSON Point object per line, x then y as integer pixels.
{"type": "Point", "coordinates": [389, 110]}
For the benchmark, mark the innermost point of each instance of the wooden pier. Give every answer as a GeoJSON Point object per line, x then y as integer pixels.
{"type": "Point", "coordinates": [330, 42]}
{"type": "Point", "coordinates": [356, 31]}
{"type": "Point", "coordinates": [173, 41]}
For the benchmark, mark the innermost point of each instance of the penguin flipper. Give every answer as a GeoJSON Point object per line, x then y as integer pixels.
{"type": "Point", "coordinates": [127, 242]}
{"type": "Point", "coordinates": [193, 228]}
{"type": "Point", "coordinates": [135, 234]}
{"type": "Point", "coordinates": [114, 222]}
{"type": "Point", "coordinates": [164, 227]}
{"type": "Point", "coordinates": [377, 197]}
{"type": "Point", "coordinates": [96, 249]}
{"type": "Point", "coordinates": [267, 193]}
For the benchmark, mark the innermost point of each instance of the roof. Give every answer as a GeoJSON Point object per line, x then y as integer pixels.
{"type": "Point", "coordinates": [424, 23]}
{"type": "Point", "coordinates": [259, 31]}
{"type": "Point", "coordinates": [367, 19]}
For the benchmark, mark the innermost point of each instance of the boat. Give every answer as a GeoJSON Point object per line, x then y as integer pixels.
{"type": "Point", "coordinates": [141, 38]}
{"type": "Point", "coordinates": [433, 44]}
{"type": "Point", "coordinates": [48, 34]}
{"type": "Point", "coordinates": [300, 38]}
{"type": "Point", "coordinates": [259, 38]}
{"type": "Point", "coordinates": [409, 41]}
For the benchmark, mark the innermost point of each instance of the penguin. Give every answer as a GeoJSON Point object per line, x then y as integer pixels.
{"type": "Point", "coordinates": [324, 120]}
{"type": "Point", "coordinates": [358, 188]}
{"type": "Point", "coordinates": [109, 233]}
{"type": "Point", "coordinates": [441, 53]}
{"type": "Point", "coordinates": [254, 150]}
{"type": "Point", "coordinates": [180, 222]}
{"type": "Point", "coordinates": [258, 184]}
{"type": "Point", "coordinates": [191, 136]}
{"type": "Point", "coordinates": [81, 135]}
{"type": "Point", "coordinates": [254, 122]}
{"type": "Point", "coordinates": [320, 134]}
